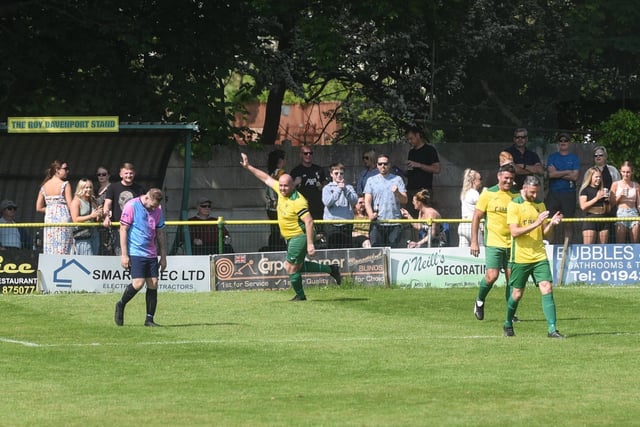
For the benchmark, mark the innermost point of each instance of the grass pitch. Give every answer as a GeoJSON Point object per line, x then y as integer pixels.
{"type": "Point", "coordinates": [348, 357]}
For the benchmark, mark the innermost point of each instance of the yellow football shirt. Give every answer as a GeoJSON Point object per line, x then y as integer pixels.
{"type": "Point", "coordinates": [527, 248]}
{"type": "Point", "coordinates": [493, 202]}
{"type": "Point", "coordinates": [290, 212]}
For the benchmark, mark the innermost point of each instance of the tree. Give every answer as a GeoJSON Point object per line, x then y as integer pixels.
{"type": "Point", "coordinates": [619, 133]}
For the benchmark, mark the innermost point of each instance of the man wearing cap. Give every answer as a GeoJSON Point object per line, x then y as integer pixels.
{"type": "Point", "coordinates": [563, 167]}
{"type": "Point", "coordinates": [10, 237]}
{"type": "Point", "coordinates": [204, 238]}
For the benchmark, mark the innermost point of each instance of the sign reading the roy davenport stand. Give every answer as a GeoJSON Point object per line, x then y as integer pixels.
{"type": "Point", "coordinates": [63, 124]}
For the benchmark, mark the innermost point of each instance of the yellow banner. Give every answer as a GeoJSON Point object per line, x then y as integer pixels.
{"type": "Point", "coordinates": [63, 124]}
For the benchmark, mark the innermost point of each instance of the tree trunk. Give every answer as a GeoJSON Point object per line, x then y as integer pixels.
{"type": "Point", "coordinates": [272, 113]}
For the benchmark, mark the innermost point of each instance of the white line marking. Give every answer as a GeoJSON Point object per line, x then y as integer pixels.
{"type": "Point", "coordinates": [265, 341]}
{"type": "Point", "coordinates": [24, 343]}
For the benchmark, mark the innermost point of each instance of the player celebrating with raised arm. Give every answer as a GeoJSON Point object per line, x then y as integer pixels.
{"type": "Point", "coordinates": [492, 206]}
{"type": "Point", "coordinates": [528, 226]}
{"type": "Point", "coordinates": [296, 227]}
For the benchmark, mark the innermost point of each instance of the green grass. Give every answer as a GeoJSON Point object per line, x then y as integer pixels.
{"type": "Point", "coordinates": [352, 357]}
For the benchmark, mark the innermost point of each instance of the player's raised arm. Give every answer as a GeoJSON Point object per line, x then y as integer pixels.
{"type": "Point", "coordinates": [262, 176]}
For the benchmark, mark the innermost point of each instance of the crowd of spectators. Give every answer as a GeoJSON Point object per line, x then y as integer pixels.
{"type": "Point", "coordinates": [380, 193]}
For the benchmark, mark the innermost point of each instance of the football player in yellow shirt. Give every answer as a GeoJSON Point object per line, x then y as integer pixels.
{"type": "Point", "coordinates": [296, 227]}
{"type": "Point", "coordinates": [492, 207]}
{"type": "Point", "coordinates": [527, 219]}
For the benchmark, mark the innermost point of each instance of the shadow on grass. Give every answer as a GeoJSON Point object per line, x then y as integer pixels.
{"type": "Point", "coordinates": [341, 299]}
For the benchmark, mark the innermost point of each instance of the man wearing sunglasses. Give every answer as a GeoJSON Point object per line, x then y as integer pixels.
{"type": "Point", "coordinates": [563, 168]}
{"type": "Point", "coordinates": [339, 199]}
{"type": "Point", "coordinates": [383, 196]}
{"type": "Point", "coordinates": [11, 237]}
{"type": "Point", "coordinates": [309, 179]}
{"type": "Point", "coordinates": [204, 238]}
{"type": "Point", "coordinates": [610, 173]}
{"type": "Point", "coordinates": [526, 162]}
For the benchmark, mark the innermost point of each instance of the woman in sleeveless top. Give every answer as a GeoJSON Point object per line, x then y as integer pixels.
{"type": "Point", "coordinates": [53, 200]}
{"type": "Point", "coordinates": [428, 235]}
{"type": "Point", "coordinates": [625, 195]}
{"type": "Point", "coordinates": [84, 209]}
{"type": "Point", "coordinates": [594, 202]}
{"type": "Point", "coordinates": [471, 184]}
{"type": "Point", "coordinates": [105, 235]}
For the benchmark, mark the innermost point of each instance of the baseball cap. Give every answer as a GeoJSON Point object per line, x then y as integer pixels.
{"type": "Point", "coordinates": [7, 204]}
{"type": "Point", "coordinates": [203, 200]}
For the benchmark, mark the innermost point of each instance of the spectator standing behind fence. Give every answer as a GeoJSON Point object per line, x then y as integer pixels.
{"type": "Point", "coordinates": [369, 160]}
{"type": "Point", "coordinates": [118, 194]}
{"type": "Point", "coordinates": [422, 163]}
{"type": "Point", "coordinates": [360, 233]}
{"type": "Point", "coordinates": [525, 161]}
{"type": "Point", "coordinates": [594, 202]}
{"type": "Point", "coordinates": [275, 167]}
{"type": "Point", "coordinates": [105, 240]}
{"type": "Point", "coordinates": [53, 200]}
{"type": "Point", "coordinates": [383, 195]}
{"type": "Point", "coordinates": [142, 239]}
{"type": "Point", "coordinates": [296, 226]}
{"type": "Point", "coordinates": [625, 197]}
{"type": "Point", "coordinates": [12, 237]}
{"type": "Point", "coordinates": [204, 238]}
{"type": "Point", "coordinates": [609, 172]}
{"type": "Point", "coordinates": [563, 168]}
{"type": "Point", "coordinates": [309, 179]}
{"type": "Point", "coordinates": [471, 185]}
{"type": "Point", "coordinates": [428, 235]}
{"type": "Point", "coordinates": [85, 209]}
{"type": "Point", "coordinates": [339, 199]}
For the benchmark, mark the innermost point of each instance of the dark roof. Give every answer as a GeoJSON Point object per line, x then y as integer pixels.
{"type": "Point", "coordinates": [24, 158]}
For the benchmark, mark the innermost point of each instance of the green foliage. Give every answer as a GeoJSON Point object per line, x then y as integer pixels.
{"type": "Point", "coordinates": [619, 134]}
{"type": "Point", "coordinates": [457, 66]}
{"type": "Point", "coordinates": [359, 356]}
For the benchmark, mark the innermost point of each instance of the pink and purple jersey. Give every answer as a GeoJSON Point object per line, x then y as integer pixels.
{"type": "Point", "coordinates": [142, 228]}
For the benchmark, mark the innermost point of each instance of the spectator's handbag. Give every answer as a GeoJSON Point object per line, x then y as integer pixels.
{"type": "Point", "coordinates": [82, 233]}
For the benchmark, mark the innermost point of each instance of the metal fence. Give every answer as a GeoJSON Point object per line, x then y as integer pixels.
{"type": "Point", "coordinates": [258, 235]}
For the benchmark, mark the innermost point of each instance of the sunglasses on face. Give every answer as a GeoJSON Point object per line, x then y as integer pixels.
{"type": "Point", "coordinates": [383, 163]}
{"type": "Point", "coordinates": [598, 155]}
{"type": "Point", "coordinates": [564, 140]}
{"type": "Point", "coordinates": [206, 206]}
{"type": "Point", "coordinates": [101, 174]}
{"type": "Point", "coordinates": [11, 208]}
{"type": "Point", "coordinates": [365, 158]}
{"type": "Point", "coordinates": [307, 153]}
{"type": "Point", "coordinates": [520, 137]}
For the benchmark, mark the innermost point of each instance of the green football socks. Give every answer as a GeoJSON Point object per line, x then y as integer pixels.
{"type": "Point", "coordinates": [549, 310]}
{"type": "Point", "coordinates": [315, 267]}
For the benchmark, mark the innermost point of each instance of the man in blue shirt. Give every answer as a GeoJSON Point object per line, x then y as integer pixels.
{"type": "Point", "coordinates": [383, 195]}
{"type": "Point", "coordinates": [563, 168]}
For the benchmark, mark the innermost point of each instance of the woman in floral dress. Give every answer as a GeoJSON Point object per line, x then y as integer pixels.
{"type": "Point", "coordinates": [54, 199]}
